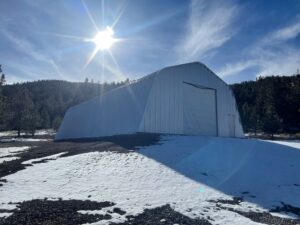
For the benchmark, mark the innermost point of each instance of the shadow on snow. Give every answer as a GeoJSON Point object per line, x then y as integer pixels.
{"type": "Point", "coordinates": [262, 172]}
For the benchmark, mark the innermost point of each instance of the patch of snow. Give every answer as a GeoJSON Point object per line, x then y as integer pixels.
{"type": "Point", "coordinates": [182, 171]}
{"type": "Point", "coordinates": [5, 214]}
{"type": "Point", "coordinates": [45, 132]}
{"type": "Point", "coordinates": [8, 207]}
{"type": "Point", "coordinates": [116, 218]}
{"type": "Point", "coordinates": [291, 143]}
{"type": "Point", "coordinates": [7, 140]}
{"type": "Point", "coordinates": [51, 157]}
{"type": "Point", "coordinates": [7, 133]}
{"type": "Point", "coordinates": [37, 133]}
{"type": "Point", "coordinates": [6, 159]}
{"type": "Point", "coordinates": [10, 151]}
{"type": "Point", "coordinates": [285, 215]}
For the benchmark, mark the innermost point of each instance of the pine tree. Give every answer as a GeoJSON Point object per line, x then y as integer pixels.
{"type": "Point", "coordinates": [271, 122]}
{"type": "Point", "coordinates": [245, 112]}
{"type": "Point", "coordinates": [259, 105]}
{"type": "Point", "coordinates": [45, 123]}
{"type": "Point", "coordinates": [56, 123]}
{"type": "Point", "coordinates": [2, 79]}
{"type": "Point", "coordinates": [30, 119]}
{"type": "Point", "coordinates": [253, 119]}
{"type": "Point", "coordinates": [24, 114]}
{"type": "Point", "coordinates": [3, 119]}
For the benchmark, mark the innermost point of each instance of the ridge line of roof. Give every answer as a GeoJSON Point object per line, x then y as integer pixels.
{"type": "Point", "coordinates": [195, 62]}
{"type": "Point", "coordinates": [182, 64]}
{"type": "Point", "coordinates": [127, 85]}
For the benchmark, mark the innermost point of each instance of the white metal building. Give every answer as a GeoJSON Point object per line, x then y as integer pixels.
{"type": "Point", "coordinates": [185, 99]}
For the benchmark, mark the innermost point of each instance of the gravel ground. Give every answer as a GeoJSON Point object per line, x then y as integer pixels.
{"type": "Point", "coordinates": [65, 212]}
{"type": "Point", "coordinates": [119, 143]}
{"type": "Point", "coordinates": [46, 212]}
{"type": "Point", "coordinates": [260, 217]}
{"type": "Point", "coordinates": [60, 212]}
{"type": "Point", "coordinates": [265, 218]}
{"type": "Point", "coordinates": [162, 215]}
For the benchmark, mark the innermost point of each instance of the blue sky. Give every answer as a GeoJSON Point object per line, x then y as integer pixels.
{"type": "Point", "coordinates": [238, 40]}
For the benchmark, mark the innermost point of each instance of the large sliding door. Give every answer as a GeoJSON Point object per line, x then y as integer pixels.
{"type": "Point", "coordinates": [199, 110]}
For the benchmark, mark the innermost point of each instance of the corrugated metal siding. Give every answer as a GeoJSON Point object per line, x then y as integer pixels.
{"type": "Point", "coordinates": [155, 103]}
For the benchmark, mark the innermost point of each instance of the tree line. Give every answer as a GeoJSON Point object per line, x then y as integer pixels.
{"type": "Point", "coordinates": [269, 104]}
{"type": "Point", "coordinates": [25, 107]}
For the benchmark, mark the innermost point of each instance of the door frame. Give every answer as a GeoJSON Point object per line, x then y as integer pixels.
{"type": "Point", "coordinates": [216, 100]}
{"type": "Point", "coordinates": [231, 119]}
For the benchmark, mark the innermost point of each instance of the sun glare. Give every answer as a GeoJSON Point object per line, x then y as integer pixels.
{"type": "Point", "coordinates": [104, 39]}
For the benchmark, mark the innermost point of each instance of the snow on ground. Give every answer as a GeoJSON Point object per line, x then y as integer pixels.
{"type": "Point", "coordinates": [5, 140]}
{"type": "Point", "coordinates": [285, 215]}
{"type": "Point", "coordinates": [10, 136]}
{"type": "Point", "coordinates": [182, 171]}
{"type": "Point", "coordinates": [7, 133]}
{"type": "Point", "coordinates": [5, 214]}
{"type": "Point", "coordinates": [6, 159]}
{"type": "Point", "coordinates": [291, 143]}
{"type": "Point", "coordinates": [37, 133]}
{"type": "Point", "coordinates": [7, 154]}
{"type": "Point", "coordinates": [10, 151]}
{"type": "Point", "coordinates": [116, 218]}
{"type": "Point", "coordinates": [235, 165]}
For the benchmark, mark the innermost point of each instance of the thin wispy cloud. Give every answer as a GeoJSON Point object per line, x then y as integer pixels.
{"type": "Point", "coordinates": [24, 46]}
{"type": "Point", "coordinates": [210, 25]}
{"type": "Point", "coordinates": [276, 56]}
{"type": "Point", "coordinates": [232, 69]}
{"type": "Point", "coordinates": [284, 63]}
{"type": "Point", "coordinates": [286, 33]}
{"type": "Point", "coordinates": [272, 55]}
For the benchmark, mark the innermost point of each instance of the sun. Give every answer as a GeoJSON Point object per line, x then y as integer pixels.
{"type": "Point", "coordinates": [104, 39]}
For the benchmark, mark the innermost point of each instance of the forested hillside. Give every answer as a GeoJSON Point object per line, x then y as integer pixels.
{"type": "Point", "coordinates": [269, 104]}
{"type": "Point", "coordinates": [42, 104]}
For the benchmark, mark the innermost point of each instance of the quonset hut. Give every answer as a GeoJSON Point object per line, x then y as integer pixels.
{"type": "Point", "coordinates": [185, 99]}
